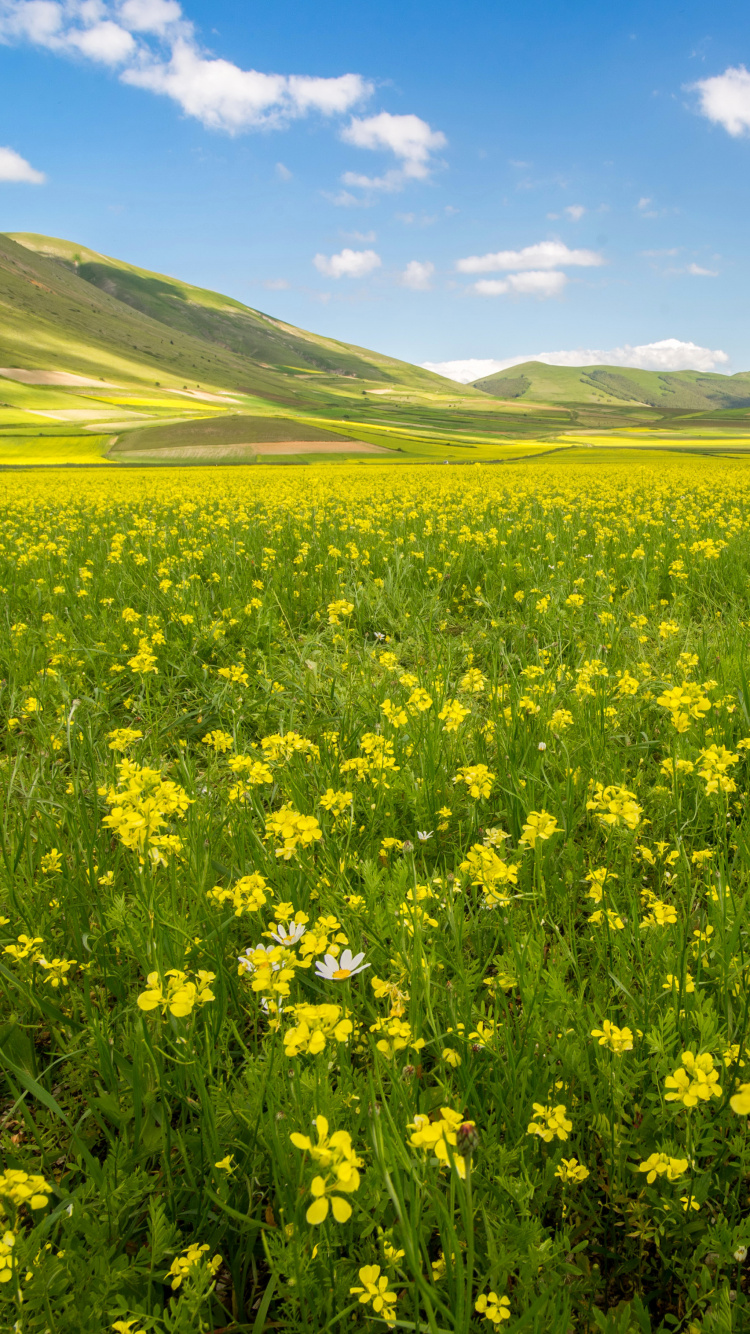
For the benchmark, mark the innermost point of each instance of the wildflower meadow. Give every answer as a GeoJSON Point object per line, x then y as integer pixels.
{"type": "Point", "coordinates": [375, 869]}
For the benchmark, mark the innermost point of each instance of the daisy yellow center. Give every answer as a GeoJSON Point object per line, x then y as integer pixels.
{"type": "Point", "coordinates": [341, 974]}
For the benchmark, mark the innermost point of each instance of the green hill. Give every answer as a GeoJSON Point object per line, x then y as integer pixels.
{"type": "Point", "coordinates": [65, 307]}
{"type": "Point", "coordinates": [691, 391]}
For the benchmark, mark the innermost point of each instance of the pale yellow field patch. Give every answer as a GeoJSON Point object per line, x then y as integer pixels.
{"type": "Point", "coordinates": [84, 414]}
{"type": "Point", "coordinates": [51, 377]}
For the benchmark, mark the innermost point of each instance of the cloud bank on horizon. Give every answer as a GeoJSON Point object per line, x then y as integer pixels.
{"type": "Point", "coordinates": [150, 44]}
{"type": "Point", "coordinates": [669, 354]}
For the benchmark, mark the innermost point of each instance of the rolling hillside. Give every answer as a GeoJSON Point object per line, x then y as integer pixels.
{"type": "Point", "coordinates": [690, 391]}
{"type": "Point", "coordinates": [63, 306]}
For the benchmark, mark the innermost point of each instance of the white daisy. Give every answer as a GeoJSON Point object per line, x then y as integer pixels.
{"type": "Point", "coordinates": [290, 937]}
{"type": "Point", "coordinates": [338, 970]}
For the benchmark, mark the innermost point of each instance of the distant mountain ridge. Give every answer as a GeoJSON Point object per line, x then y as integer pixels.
{"type": "Point", "coordinates": [699, 391]}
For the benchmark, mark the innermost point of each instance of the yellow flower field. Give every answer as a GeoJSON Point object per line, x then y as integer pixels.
{"type": "Point", "coordinates": [374, 898]}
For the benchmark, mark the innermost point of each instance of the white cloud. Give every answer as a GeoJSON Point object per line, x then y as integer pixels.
{"type": "Point", "coordinates": [215, 91]}
{"type": "Point", "coordinates": [149, 15]}
{"type": "Point", "coordinates": [276, 285]}
{"type": "Point", "coordinates": [464, 371]}
{"type": "Point", "coordinates": [366, 238]}
{"type": "Point", "coordinates": [13, 167]}
{"type": "Point", "coordinates": [283, 172]}
{"type": "Point", "coordinates": [575, 212]}
{"type": "Point", "coordinates": [541, 283]}
{"type": "Point", "coordinates": [418, 275]}
{"type": "Point", "coordinates": [156, 48]}
{"type": "Point", "coordinates": [725, 99]}
{"type": "Point", "coordinates": [699, 272]}
{"type": "Point", "coordinates": [670, 354]}
{"type": "Point", "coordinates": [544, 255]}
{"type": "Point", "coordinates": [409, 138]}
{"type": "Point", "coordinates": [38, 21]}
{"type": "Point", "coordinates": [225, 97]}
{"type": "Point", "coordinates": [348, 263]}
{"type": "Point", "coordinates": [106, 42]}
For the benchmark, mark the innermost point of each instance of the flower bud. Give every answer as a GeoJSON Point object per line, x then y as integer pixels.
{"type": "Point", "coordinates": [467, 1139]}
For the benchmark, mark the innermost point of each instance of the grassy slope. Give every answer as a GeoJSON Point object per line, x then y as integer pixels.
{"type": "Point", "coordinates": [268, 350]}
{"type": "Point", "coordinates": [533, 382]}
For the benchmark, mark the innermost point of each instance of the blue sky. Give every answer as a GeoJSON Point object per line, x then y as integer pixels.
{"type": "Point", "coordinates": [449, 184]}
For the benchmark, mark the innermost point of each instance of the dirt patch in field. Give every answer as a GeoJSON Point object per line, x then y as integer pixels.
{"type": "Point", "coordinates": [51, 377]}
{"type": "Point", "coordinates": [306, 447]}
{"type": "Point", "coordinates": [246, 453]}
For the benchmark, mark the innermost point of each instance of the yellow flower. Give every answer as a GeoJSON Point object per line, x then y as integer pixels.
{"type": "Point", "coordinates": [123, 737]}
{"type": "Point", "coordinates": [659, 1164]}
{"type": "Point", "coordinates": [672, 983]}
{"type": "Point", "coordinates": [435, 1136]}
{"type": "Point", "coordinates": [218, 741]}
{"type": "Point", "coordinates": [549, 1122]}
{"type": "Point", "coordinates": [375, 1289]}
{"type": "Point", "coordinates": [338, 609]}
{"type": "Point", "coordinates": [612, 918]}
{"type": "Point", "coordinates": [314, 1024]}
{"type": "Point", "coordinates": [181, 994]}
{"type": "Point", "coordinates": [615, 806]}
{"type": "Point", "coordinates": [7, 1242]}
{"type": "Point", "coordinates": [237, 676]}
{"type": "Point", "coordinates": [226, 1164]}
{"type": "Point", "coordinates": [194, 1255]}
{"type": "Point", "coordinates": [740, 1101]}
{"type": "Point", "coordinates": [540, 826]}
{"type": "Point", "coordinates": [492, 1307]}
{"type": "Point", "coordinates": [396, 716]}
{"type": "Point", "coordinates": [473, 682]}
{"type": "Point", "coordinates": [51, 863]}
{"type": "Point", "coordinates": [478, 779]}
{"type": "Point", "coordinates": [453, 714]}
{"type": "Point", "coordinates": [289, 830]}
{"type": "Point", "coordinates": [340, 1164]}
{"type": "Point", "coordinates": [697, 1082]}
{"type": "Point", "coordinates": [661, 914]}
{"type": "Point", "coordinates": [570, 1170]}
{"type": "Point", "coordinates": [24, 1188]}
{"type": "Point", "coordinates": [618, 1040]}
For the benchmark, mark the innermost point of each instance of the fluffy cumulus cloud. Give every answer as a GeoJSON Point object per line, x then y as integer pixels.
{"type": "Point", "coordinates": [536, 270]}
{"type": "Point", "coordinates": [543, 255]}
{"type": "Point", "coordinates": [725, 99]}
{"type": "Point", "coordinates": [669, 354]}
{"type": "Point", "coordinates": [348, 263]}
{"type": "Point", "coordinates": [418, 275]}
{"type": "Point", "coordinates": [541, 283]}
{"type": "Point", "coordinates": [15, 168]}
{"type": "Point", "coordinates": [153, 46]}
{"type": "Point", "coordinates": [411, 140]}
